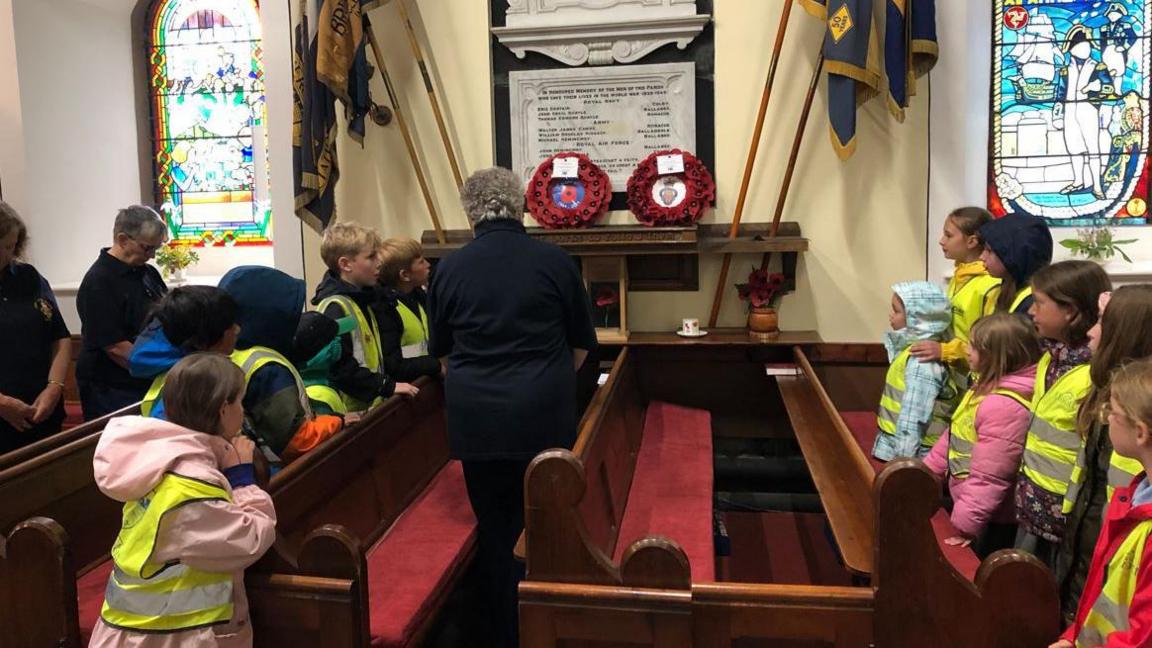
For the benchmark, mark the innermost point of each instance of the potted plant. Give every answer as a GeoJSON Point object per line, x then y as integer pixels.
{"type": "Point", "coordinates": [1097, 244]}
{"type": "Point", "coordinates": [174, 258]}
{"type": "Point", "coordinates": [762, 291]}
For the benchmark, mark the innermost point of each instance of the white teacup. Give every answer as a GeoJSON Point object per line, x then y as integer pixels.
{"type": "Point", "coordinates": [690, 326]}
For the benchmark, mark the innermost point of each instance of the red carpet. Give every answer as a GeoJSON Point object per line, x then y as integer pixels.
{"type": "Point", "coordinates": [782, 548]}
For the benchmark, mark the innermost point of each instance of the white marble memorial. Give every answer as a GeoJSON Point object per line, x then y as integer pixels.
{"type": "Point", "coordinates": [598, 32]}
{"type": "Point", "coordinates": [615, 115]}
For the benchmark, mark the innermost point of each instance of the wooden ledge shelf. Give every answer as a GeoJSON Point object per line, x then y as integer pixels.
{"type": "Point", "coordinates": [659, 258]}
{"type": "Point", "coordinates": [723, 337]}
{"type": "Point", "coordinates": [633, 240]}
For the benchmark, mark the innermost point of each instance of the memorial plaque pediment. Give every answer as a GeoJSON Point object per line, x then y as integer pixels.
{"type": "Point", "coordinates": [598, 32]}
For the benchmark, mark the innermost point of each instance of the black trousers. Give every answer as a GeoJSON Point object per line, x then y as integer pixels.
{"type": "Point", "coordinates": [496, 491]}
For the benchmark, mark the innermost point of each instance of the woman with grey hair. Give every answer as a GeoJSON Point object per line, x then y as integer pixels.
{"type": "Point", "coordinates": [511, 324]}
{"type": "Point", "coordinates": [114, 299]}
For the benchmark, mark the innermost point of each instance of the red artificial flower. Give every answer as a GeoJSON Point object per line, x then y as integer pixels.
{"type": "Point", "coordinates": [606, 296]}
{"type": "Point", "coordinates": [762, 288]}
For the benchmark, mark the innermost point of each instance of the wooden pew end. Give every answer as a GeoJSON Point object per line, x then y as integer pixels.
{"type": "Point", "coordinates": [38, 604]}
{"type": "Point", "coordinates": [334, 552]}
{"type": "Point", "coordinates": [1001, 578]}
{"type": "Point", "coordinates": [656, 562]}
{"type": "Point", "coordinates": [554, 478]}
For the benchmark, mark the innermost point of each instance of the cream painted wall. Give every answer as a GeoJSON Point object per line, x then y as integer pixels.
{"type": "Point", "coordinates": [865, 218]}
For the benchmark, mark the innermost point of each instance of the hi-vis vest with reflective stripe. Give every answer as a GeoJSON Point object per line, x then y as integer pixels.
{"type": "Point", "coordinates": [963, 435]}
{"type": "Point", "coordinates": [414, 340]}
{"type": "Point", "coordinates": [1121, 472]}
{"type": "Point", "coordinates": [252, 359]}
{"type": "Point", "coordinates": [968, 303]}
{"type": "Point", "coordinates": [1053, 443]}
{"type": "Point", "coordinates": [889, 412]}
{"type": "Point", "coordinates": [1020, 297]}
{"type": "Point", "coordinates": [152, 396]}
{"type": "Point", "coordinates": [365, 344]}
{"type": "Point", "coordinates": [1109, 612]}
{"type": "Point", "coordinates": [366, 335]}
{"type": "Point", "coordinates": [327, 395]}
{"type": "Point", "coordinates": [148, 596]}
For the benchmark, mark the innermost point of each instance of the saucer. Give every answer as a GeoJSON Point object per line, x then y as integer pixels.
{"type": "Point", "coordinates": [689, 335]}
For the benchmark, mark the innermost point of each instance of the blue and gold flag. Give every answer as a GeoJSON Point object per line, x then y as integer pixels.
{"type": "Point", "coordinates": [910, 49]}
{"type": "Point", "coordinates": [328, 63]}
{"type": "Point", "coordinates": [852, 61]}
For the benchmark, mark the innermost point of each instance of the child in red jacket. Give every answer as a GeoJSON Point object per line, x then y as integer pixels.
{"type": "Point", "coordinates": [1116, 606]}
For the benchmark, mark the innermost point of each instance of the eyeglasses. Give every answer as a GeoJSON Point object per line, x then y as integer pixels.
{"type": "Point", "coordinates": [1105, 412]}
{"type": "Point", "coordinates": [145, 248]}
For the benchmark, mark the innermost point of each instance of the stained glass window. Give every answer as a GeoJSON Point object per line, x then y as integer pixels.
{"type": "Point", "coordinates": [1070, 88]}
{"type": "Point", "coordinates": [210, 145]}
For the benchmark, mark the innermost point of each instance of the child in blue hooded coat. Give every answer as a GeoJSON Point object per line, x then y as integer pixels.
{"type": "Point", "coordinates": [919, 396]}
{"type": "Point", "coordinates": [276, 403]}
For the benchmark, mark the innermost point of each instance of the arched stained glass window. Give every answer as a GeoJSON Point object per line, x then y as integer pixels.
{"type": "Point", "coordinates": [1070, 89]}
{"type": "Point", "coordinates": [207, 86]}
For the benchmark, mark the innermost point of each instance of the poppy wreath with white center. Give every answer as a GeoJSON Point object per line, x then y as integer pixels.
{"type": "Point", "coordinates": [700, 192]}
{"type": "Point", "coordinates": [587, 208]}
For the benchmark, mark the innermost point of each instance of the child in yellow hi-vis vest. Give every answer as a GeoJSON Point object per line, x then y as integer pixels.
{"type": "Point", "coordinates": [194, 517]}
{"type": "Point", "coordinates": [918, 396]}
{"type": "Point", "coordinates": [1116, 605]}
{"type": "Point", "coordinates": [402, 310]}
{"type": "Point", "coordinates": [972, 291]}
{"type": "Point", "coordinates": [352, 254]}
{"type": "Point", "coordinates": [1119, 337]}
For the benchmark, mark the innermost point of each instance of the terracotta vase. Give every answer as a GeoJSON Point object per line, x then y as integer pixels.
{"type": "Point", "coordinates": [763, 321]}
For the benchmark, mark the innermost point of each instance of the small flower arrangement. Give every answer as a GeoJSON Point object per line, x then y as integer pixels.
{"type": "Point", "coordinates": [173, 258]}
{"type": "Point", "coordinates": [763, 289]}
{"type": "Point", "coordinates": [1097, 244]}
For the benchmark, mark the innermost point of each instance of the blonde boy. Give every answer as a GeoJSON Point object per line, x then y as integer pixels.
{"type": "Point", "coordinates": [351, 253]}
{"type": "Point", "coordinates": [402, 310]}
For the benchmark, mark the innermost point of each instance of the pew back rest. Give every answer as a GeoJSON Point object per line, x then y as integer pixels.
{"type": "Point", "coordinates": [366, 476]}
{"type": "Point", "coordinates": [59, 484]}
{"type": "Point", "coordinates": [607, 445]}
{"type": "Point", "coordinates": [838, 466]}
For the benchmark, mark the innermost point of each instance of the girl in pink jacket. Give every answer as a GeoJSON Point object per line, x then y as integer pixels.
{"type": "Point", "coordinates": [981, 451]}
{"type": "Point", "coordinates": [194, 517]}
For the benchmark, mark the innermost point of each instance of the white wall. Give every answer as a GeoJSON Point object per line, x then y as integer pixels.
{"type": "Point", "coordinates": [959, 138]}
{"type": "Point", "coordinates": [11, 121]}
{"type": "Point", "coordinates": [72, 121]}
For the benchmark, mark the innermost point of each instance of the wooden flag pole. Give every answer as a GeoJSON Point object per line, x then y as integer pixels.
{"type": "Point", "coordinates": [430, 88]}
{"type": "Point", "coordinates": [750, 162]}
{"type": "Point", "coordinates": [403, 124]}
{"type": "Point", "coordinates": [797, 140]}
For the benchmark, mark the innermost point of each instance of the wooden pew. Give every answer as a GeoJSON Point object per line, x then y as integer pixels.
{"type": "Point", "coordinates": [577, 594]}
{"type": "Point", "coordinates": [37, 580]}
{"type": "Point", "coordinates": [348, 514]}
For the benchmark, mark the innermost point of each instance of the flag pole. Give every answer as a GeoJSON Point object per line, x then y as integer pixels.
{"type": "Point", "coordinates": [430, 88]}
{"type": "Point", "coordinates": [403, 124]}
{"type": "Point", "coordinates": [750, 162]}
{"type": "Point", "coordinates": [797, 140]}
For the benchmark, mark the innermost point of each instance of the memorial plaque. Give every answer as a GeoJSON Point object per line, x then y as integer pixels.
{"type": "Point", "coordinates": [616, 115]}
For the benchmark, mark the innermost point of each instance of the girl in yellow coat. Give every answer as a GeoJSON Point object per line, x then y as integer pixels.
{"type": "Point", "coordinates": [972, 290]}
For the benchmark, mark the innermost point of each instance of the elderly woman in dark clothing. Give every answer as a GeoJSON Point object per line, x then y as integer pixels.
{"type": "Point", "coordinates": [35, 348]}
{"type": "Point", "coordinates": [511, 322]}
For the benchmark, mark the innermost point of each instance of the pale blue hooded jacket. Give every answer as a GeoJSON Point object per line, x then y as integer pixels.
{"type": "Point", "coordinates": [928, 314]}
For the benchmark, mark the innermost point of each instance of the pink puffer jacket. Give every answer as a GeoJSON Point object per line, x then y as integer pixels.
{"type": "Point", "coordinates": [986, 495]}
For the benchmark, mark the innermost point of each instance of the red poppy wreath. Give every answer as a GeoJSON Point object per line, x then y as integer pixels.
{"type": "Point", "coordinates": [568, 202]}
{"type": "Point", "coordinates": [670, 199]}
